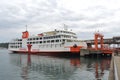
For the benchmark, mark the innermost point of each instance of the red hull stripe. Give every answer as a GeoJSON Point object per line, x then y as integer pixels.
{"type": "Point", "coordinates": [40, 51]}
{"type": "Point", "coordinates": [51, 52]}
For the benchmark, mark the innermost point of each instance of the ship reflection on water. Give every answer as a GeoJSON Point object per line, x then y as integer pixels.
{"type": "Point", "coordinates": [36, 67]}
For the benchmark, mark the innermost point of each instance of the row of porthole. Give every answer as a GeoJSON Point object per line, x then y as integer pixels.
{"type": "Point", "coordinates": [52, 41]}
{"type": "Point", "coordinates": [15, 43]}
{"type": "Point", "coordinates": [52, 45]}
{"type": "Point", "coordinates": [51, 37]}
{"type": "Point", "coordinates": [15, 46]}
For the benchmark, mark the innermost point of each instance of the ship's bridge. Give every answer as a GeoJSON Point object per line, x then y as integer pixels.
{"type": "Point", "coordinates": [62, 33]}
{"type": "Point", "coordinates": [65, 33]}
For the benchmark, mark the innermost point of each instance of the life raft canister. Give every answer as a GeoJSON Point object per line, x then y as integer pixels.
{"type": "Point", "coordinates": [75, 45]}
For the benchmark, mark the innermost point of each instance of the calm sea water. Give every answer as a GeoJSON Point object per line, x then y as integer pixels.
{"type": "Point", "coordinates": [36, 67]}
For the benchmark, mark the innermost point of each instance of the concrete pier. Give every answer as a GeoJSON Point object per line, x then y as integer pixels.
{"type": "Point", "coordinates": [114, 73]}
{"type": "Point", "coordinates": [115, 67]}
{"type": "Point", "coordinates": [111, 73]}
{"type": "Point", "coordinates": [84, 52]}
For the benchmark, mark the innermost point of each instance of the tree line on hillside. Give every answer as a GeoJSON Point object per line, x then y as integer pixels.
{"type": "Point", "coordinates": [4, 45]}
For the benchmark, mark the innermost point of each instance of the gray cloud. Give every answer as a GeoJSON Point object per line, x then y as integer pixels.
{"type": "Point", "coordinates": [49, 14]}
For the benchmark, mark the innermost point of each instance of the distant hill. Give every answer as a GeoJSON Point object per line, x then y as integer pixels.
{"type": "Point", "coordinates": [4, 45]}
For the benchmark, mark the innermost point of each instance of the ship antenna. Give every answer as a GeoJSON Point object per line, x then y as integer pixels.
{"type": "Point", "coordinates": [65, 27]}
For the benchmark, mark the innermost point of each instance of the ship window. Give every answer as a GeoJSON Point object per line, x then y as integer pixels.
{"type": "Point", "coordinates": [57, 40]}
{"type": "Point", "coordinates": [58, 36]}
{"type": "Point", "coordinates": [33, 38]}
{"type": "Point", "coordinates": [19, 39]}
{"type": "Point", "coordinates": [48, 37]}
{"type": "Point", "coordinates": [63, 39]}
{"type": "Point", "coordinates": [52, 41]}
{"type": "Point", "coordinates": [44, 41]}
{"type": "Point", "coordinates": [48, 41]}
{"type": "Point", "coordinates": [44, 37]}
{"type": "Point", "coordinates": [30, 38]}
{"type": "Point", "coordinates": [54, 36]}
{"type": "Point", "coordinates": [51, 37]}
{"type": "Point", "coordinates": [36, 42]}
{"type": "Point", "coordinates": [40, 41]}
{"type": "Point", "coordinates": [36, 38]}
{"type": "Point", "coordinates": [40, 37]}
{"type": "Point", "coordinates": [69, 40]}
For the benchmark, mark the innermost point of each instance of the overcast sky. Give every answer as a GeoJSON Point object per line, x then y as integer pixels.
{"type": "Point", "coordinates": [84, 17]}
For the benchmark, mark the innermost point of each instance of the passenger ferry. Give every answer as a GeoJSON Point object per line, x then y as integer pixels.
{"type": "Point", "coordinates": [56, 41]}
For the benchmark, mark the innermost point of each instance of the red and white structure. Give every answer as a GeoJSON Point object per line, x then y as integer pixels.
{"type": "Point", "coordinates": [52, 41]}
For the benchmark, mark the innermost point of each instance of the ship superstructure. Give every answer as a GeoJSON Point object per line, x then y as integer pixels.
{"type": "Point", "coordinates": [51, 41]}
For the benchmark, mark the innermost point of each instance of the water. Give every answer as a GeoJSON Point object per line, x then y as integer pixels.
{"type": "Point", "coordinates": [36, 67]}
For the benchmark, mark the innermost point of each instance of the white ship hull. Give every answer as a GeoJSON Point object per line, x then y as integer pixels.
{"type": "Point", "coordinates": [57, 43]}
{"type": "Point", "coordinates": [51, 48]}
